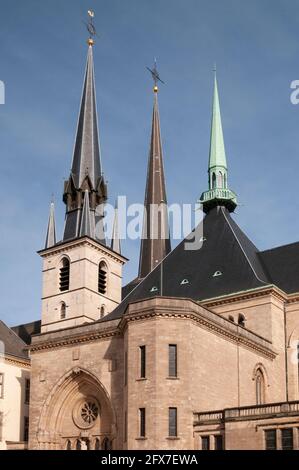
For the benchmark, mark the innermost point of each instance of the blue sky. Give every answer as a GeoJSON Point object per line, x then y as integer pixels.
{"type": "Point", "coordinates": [42, 58]}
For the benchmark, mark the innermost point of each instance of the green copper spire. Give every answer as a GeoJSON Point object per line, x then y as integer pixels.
{"type": "Point", "coordinates": [218, 194]}
{"type": "Point", "coordinates": [217, 149]}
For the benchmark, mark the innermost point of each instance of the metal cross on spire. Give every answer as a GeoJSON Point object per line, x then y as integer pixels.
{"type": "Point", "coordinates": [91, 27]}
{"type": "Point", "coordinates": [155, 75]}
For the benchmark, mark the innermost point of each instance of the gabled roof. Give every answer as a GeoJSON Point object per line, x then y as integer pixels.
{"type": "Point", "coordinates": [13, 344]}
{"type": "Point", "coordinates": [226, 263]}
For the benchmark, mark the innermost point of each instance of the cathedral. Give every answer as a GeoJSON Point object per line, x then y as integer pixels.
{"type": "Point", "coordinates": [199, 352]}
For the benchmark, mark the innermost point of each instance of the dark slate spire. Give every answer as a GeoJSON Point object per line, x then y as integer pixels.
{"type": "Point", "coordinates": [86, 173]}
{"type": "Point", "coordinates": [51, 231]}
{"type": "Point", "coordinates": [87, 227]}
{"type": "Point", "coordinates": [115, 241]}
{"type": "Point", "coordinates": [86, 158]}
{"type": "Point", "coordinates": [155, 244]}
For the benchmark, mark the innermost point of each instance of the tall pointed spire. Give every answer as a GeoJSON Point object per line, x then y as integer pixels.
{"type": "Point", "coordinates": [51, 231]}
{"type": "Point", "coordinates": [218, 193]}
{"type": "Point", "coordinates": [155, 244]}
{"type": "Point", "coordinates": [115, 241]}
{"type": "Point", "coordinates": [217, 148]}
{"type": "Point", "coordinates": [86, 158]}
{"type": "Point", "coordinates": [86, 172]}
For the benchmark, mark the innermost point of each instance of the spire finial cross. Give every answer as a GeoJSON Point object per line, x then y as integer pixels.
{"type": "Point", "coordinates": [155, 76]}
{"type": "Point", "coordinates": [91, 27]}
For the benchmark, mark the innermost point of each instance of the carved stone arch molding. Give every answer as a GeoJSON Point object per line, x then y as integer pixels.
{"type": "Point", "coordinates": [261, 367]}
{"type": "Point", "coordinates": [78, 407]}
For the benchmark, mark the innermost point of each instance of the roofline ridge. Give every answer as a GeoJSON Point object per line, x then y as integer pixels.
{"type": "Point", "coordinates": [279, 246]}
{"type": "Point", "coordinates": [18, 337]}
{"type": "Point", "coordinates": [242, 249]}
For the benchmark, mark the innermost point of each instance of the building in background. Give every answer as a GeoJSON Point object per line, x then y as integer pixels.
{"type": "Point", "coordinates": [14, 390]}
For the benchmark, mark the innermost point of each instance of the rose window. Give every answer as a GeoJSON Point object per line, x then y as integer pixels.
{"type": "Point", "coordinates": [86, 412]}
{"type": "Point", "coordinates": [89, 412]}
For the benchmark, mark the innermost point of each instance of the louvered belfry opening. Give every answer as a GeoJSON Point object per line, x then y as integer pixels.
{"type": "Point", "coordinates": [64, 279]}
{"type": "Point", "coordinates": [102, 287]}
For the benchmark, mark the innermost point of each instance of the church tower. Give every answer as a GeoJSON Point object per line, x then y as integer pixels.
{"type": "Point", "coordinates": [155, 243]}
{"type": "Point", "coordinates": [82, 276]}
{"type": "Point", "coordinates": [219, 193]}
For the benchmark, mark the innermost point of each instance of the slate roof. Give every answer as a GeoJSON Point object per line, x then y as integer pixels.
{"type": "Point", "coordinates": [86, 156]}
{"type": "Point", "coordinates": [13, 344]}
{"type": "Point", "coordinates": [226, 250]}
{"type": "Point", "coordinates": [154, 248]}
{"type": "Point", "coordinates": [26, 331]}
{"type": "Point", "coordinates": [282, 265]}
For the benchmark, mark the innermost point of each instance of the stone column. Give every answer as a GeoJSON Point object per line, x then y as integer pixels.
{"type": "Point", "coordinates": [279, 441]}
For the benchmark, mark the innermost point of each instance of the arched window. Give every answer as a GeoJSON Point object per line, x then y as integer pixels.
{"type": "Point", "coordinates": [78, 445]}
{"type": "Point", "coordinates": [62, 311]}
{"type": "Point", "coordinates": [259, 387]}
{"type": "Point", "coordinates": [97, 445]}
{"type": "Point", "coordinates": [106, 444]}
{"type": "Point", "coordinates": [213, 181]}
{"type": "Point", "coordinates": [68, 445]}
{"type": "Point", "coordinates": [102, 311]}
{"type": "Point", "coordinates": [220, 180]}
{"type": "Point", "coordinates": [64, 278]}
{"type": "Point", "coordinates": [102, 287]}
{"type": "Point", "coordinates": [225, 181]}
{"type": "Point", "coordinates": [241, 320]}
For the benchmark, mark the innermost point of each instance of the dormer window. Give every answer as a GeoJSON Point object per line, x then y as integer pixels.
{"type": "Point", "coordinates": [64, 276]}
{"type": "Point", "coordinates": [217, 274]}
{"type": "Point", "coordinates": [102, 284]}
{"type": "Point", "coordinates": [154, 289]}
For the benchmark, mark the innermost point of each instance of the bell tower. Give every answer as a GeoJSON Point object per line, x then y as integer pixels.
{"type": "Point", "coordinates": [82, 276]}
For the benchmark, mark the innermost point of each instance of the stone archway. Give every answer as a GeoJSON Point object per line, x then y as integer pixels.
{"type": "Point", "coordinates": [77, 414]}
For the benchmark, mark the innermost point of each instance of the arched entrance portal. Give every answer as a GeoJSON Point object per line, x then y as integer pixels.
{"type": "Point", "coordinates": [77, 415]}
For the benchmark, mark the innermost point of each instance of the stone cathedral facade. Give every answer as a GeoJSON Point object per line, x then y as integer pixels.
{"type": "Point", "coordinates": [206, 361]}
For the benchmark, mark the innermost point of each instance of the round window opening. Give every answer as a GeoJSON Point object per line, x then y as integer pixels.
{"type": "Point", "coordinates": [86, 413]}
{"type": "Point", "coordinates": [89, 412]}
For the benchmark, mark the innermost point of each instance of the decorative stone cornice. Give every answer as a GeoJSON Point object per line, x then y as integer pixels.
{"type": "Point", "coordinates": [246, 295]}
{"type": "Point", "coordinates": [17, 361]}
{"type": "Point", "coordinates": [83, 241]}
{"type": "Point", "coordinates": [293, 298]}
{"type": "Point", "coordinates": [158, 307]}
{"type": "Point", "coordinates": [187, 309]}
{"type": "Point", "coordinates": [44, 343]}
